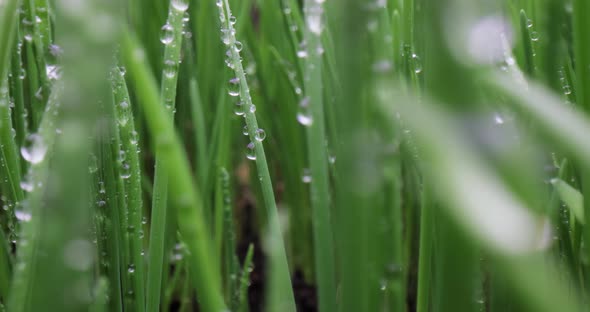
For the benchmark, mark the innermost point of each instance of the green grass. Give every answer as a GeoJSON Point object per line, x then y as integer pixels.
{"type": "Point", "coordinates": [250, 155]}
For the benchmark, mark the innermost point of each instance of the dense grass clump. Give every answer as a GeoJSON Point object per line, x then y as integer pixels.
{"type": "Point", "coordinates": [294, 155]}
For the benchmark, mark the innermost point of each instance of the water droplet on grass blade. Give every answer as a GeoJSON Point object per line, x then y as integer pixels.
{"type": "Point", "coordinates": [239, 109]}
{"type": "Point", "coordinates": [34, 149]}
{"type": "Point", "coordinates": [234, 87]}
{"type": "Point", "coordinates": [245, 130]}
{"type": "Point", "coordinates": [314, 23]}
{"type": "Point", "coordinates": [250, 153]}
{"type": "Point", "coordinates": [260, 135]}
{"type": "Point", "coordinates": [167, 34]}
{"type": "Point", "coordinates": [125, 171]}
{"type": "Point", "coordinates": [134, 137]}
{"type": "Point", "coordinates": [417, 64]}
{"type": "Point", "coordinates": [306, 177]}
{"type": "Point", "coordinates": [304, 116]}
{"type": "Point", "coordinates": [180, 5]}
{"type": "Point", "coordinates": [170, 69]}
{"type": "Point", "coordinates": [498, 119]}
{"type": "Point", "coordinates": [22, 216]}
{"type": "Point", "coordinates": [238, 46]}
{"type": "Point", "coordinates": [53, 72]}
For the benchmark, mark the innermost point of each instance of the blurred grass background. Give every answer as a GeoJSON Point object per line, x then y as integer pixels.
{"type": "Point", "coordinates": [289, 155]}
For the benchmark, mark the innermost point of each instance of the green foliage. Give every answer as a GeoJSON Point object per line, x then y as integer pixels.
{"type": "Point", "coordinates": [353, 155]}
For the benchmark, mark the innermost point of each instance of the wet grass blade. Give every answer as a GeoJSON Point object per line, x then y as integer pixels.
{"type": "Point", "coordinates": [130, 176]}
{"type": "Point", "coordinates": [184, 192]}
{"type": "Point", "coordinates": [286, 301]}
{"type": "Point", "coordinates": [172, 38]}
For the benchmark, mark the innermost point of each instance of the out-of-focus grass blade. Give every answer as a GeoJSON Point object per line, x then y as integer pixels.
{"type": "Point", "coordinates": [564, 124]}
{"type": "Point", "coordinates": [478, 202]}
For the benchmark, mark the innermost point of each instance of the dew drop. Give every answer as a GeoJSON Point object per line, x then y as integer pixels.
{"type": "Point", "coordinates": [252, 108]}
{"type": "Point", "coordinates": [238, 46]}
{"type": "Point", "coordinates": [93, 165]}
{"type": "Point", "coordinates": [304, 119]}
{"type": "Point", "coordinates": [134, 137]}
{"type": "Point", "coordinates": [304, 116]}
{"type": "Point", "coordinates": [245, 130]}
{"type": "Point", "coordinates": [534, 36]}
{"type": "Point", "coordinates": [314, 23]}
{"type": "Point", "coordinates": [260, 135]}
{"type": "Point", "coordinates": [498, 119]}
{"type": "Point", "coordinates": [22, 74]}
{"type": "Point", "coordinates": [306, 177]}
{"type": "Point", "coordinates": [124, 104]}
{"type": "Point", "coordinates": [234, 87]}
{"type": "Point", "coordinates": [22, 216]}
{"type": "Point", "coordinates": [180, 5]}
{"type": "Point", "coordinates": [250, 153]}
{"type": "Point", "coordinates": [53, 72]}
{"type": "Point", "coordinates": [239, 109]}
{"type": "Point", "coordinates": [332, 159]}
{"type": "Point", "coordinates": [167, 34]}
{"type": "Point", "coordinates": [125, 171]}
{"type": "Point", "coordinates": [302, 53]}
{"type": "Point", "coordinates": [131, 268]}
{"type": "Point", "coordinates": [34, 149]}
{"type": "Point", "coordinates": [417, 63]}
{"type": "Point", "coordinates": [170, 69]}
{"type": "Point", "coordinates": [232, 20]}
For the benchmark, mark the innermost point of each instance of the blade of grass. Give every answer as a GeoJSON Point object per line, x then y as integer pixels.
{"type": "Point", "coordinates": [318, 158]}
{"type": "Point", "coordinates": [20, 294]}
{"type": "Point", "coordinates": [245, 280]}
{"type": "Point", "coordinates": [172, 38]}
{"type": "Point", "coordinates": [185, 193]}
{"type": "Point", "coordinates": [466, 199]}
{"type": "Point", "coordinates": [8, 22]}
{"type": "Point", "coordinates": [130, 173]}
{"type": "Point", "coordinates": [287, 301]}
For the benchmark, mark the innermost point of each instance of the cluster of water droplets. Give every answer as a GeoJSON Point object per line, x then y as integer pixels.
{"type": "Point", "coordinates": [565, 84]}
{"type": "Point", "coordinates": [125, 168]}
{"type": "Point", "coordinates": [169, 36]}
{"type": "Point", "coordinates": [243, 105]}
